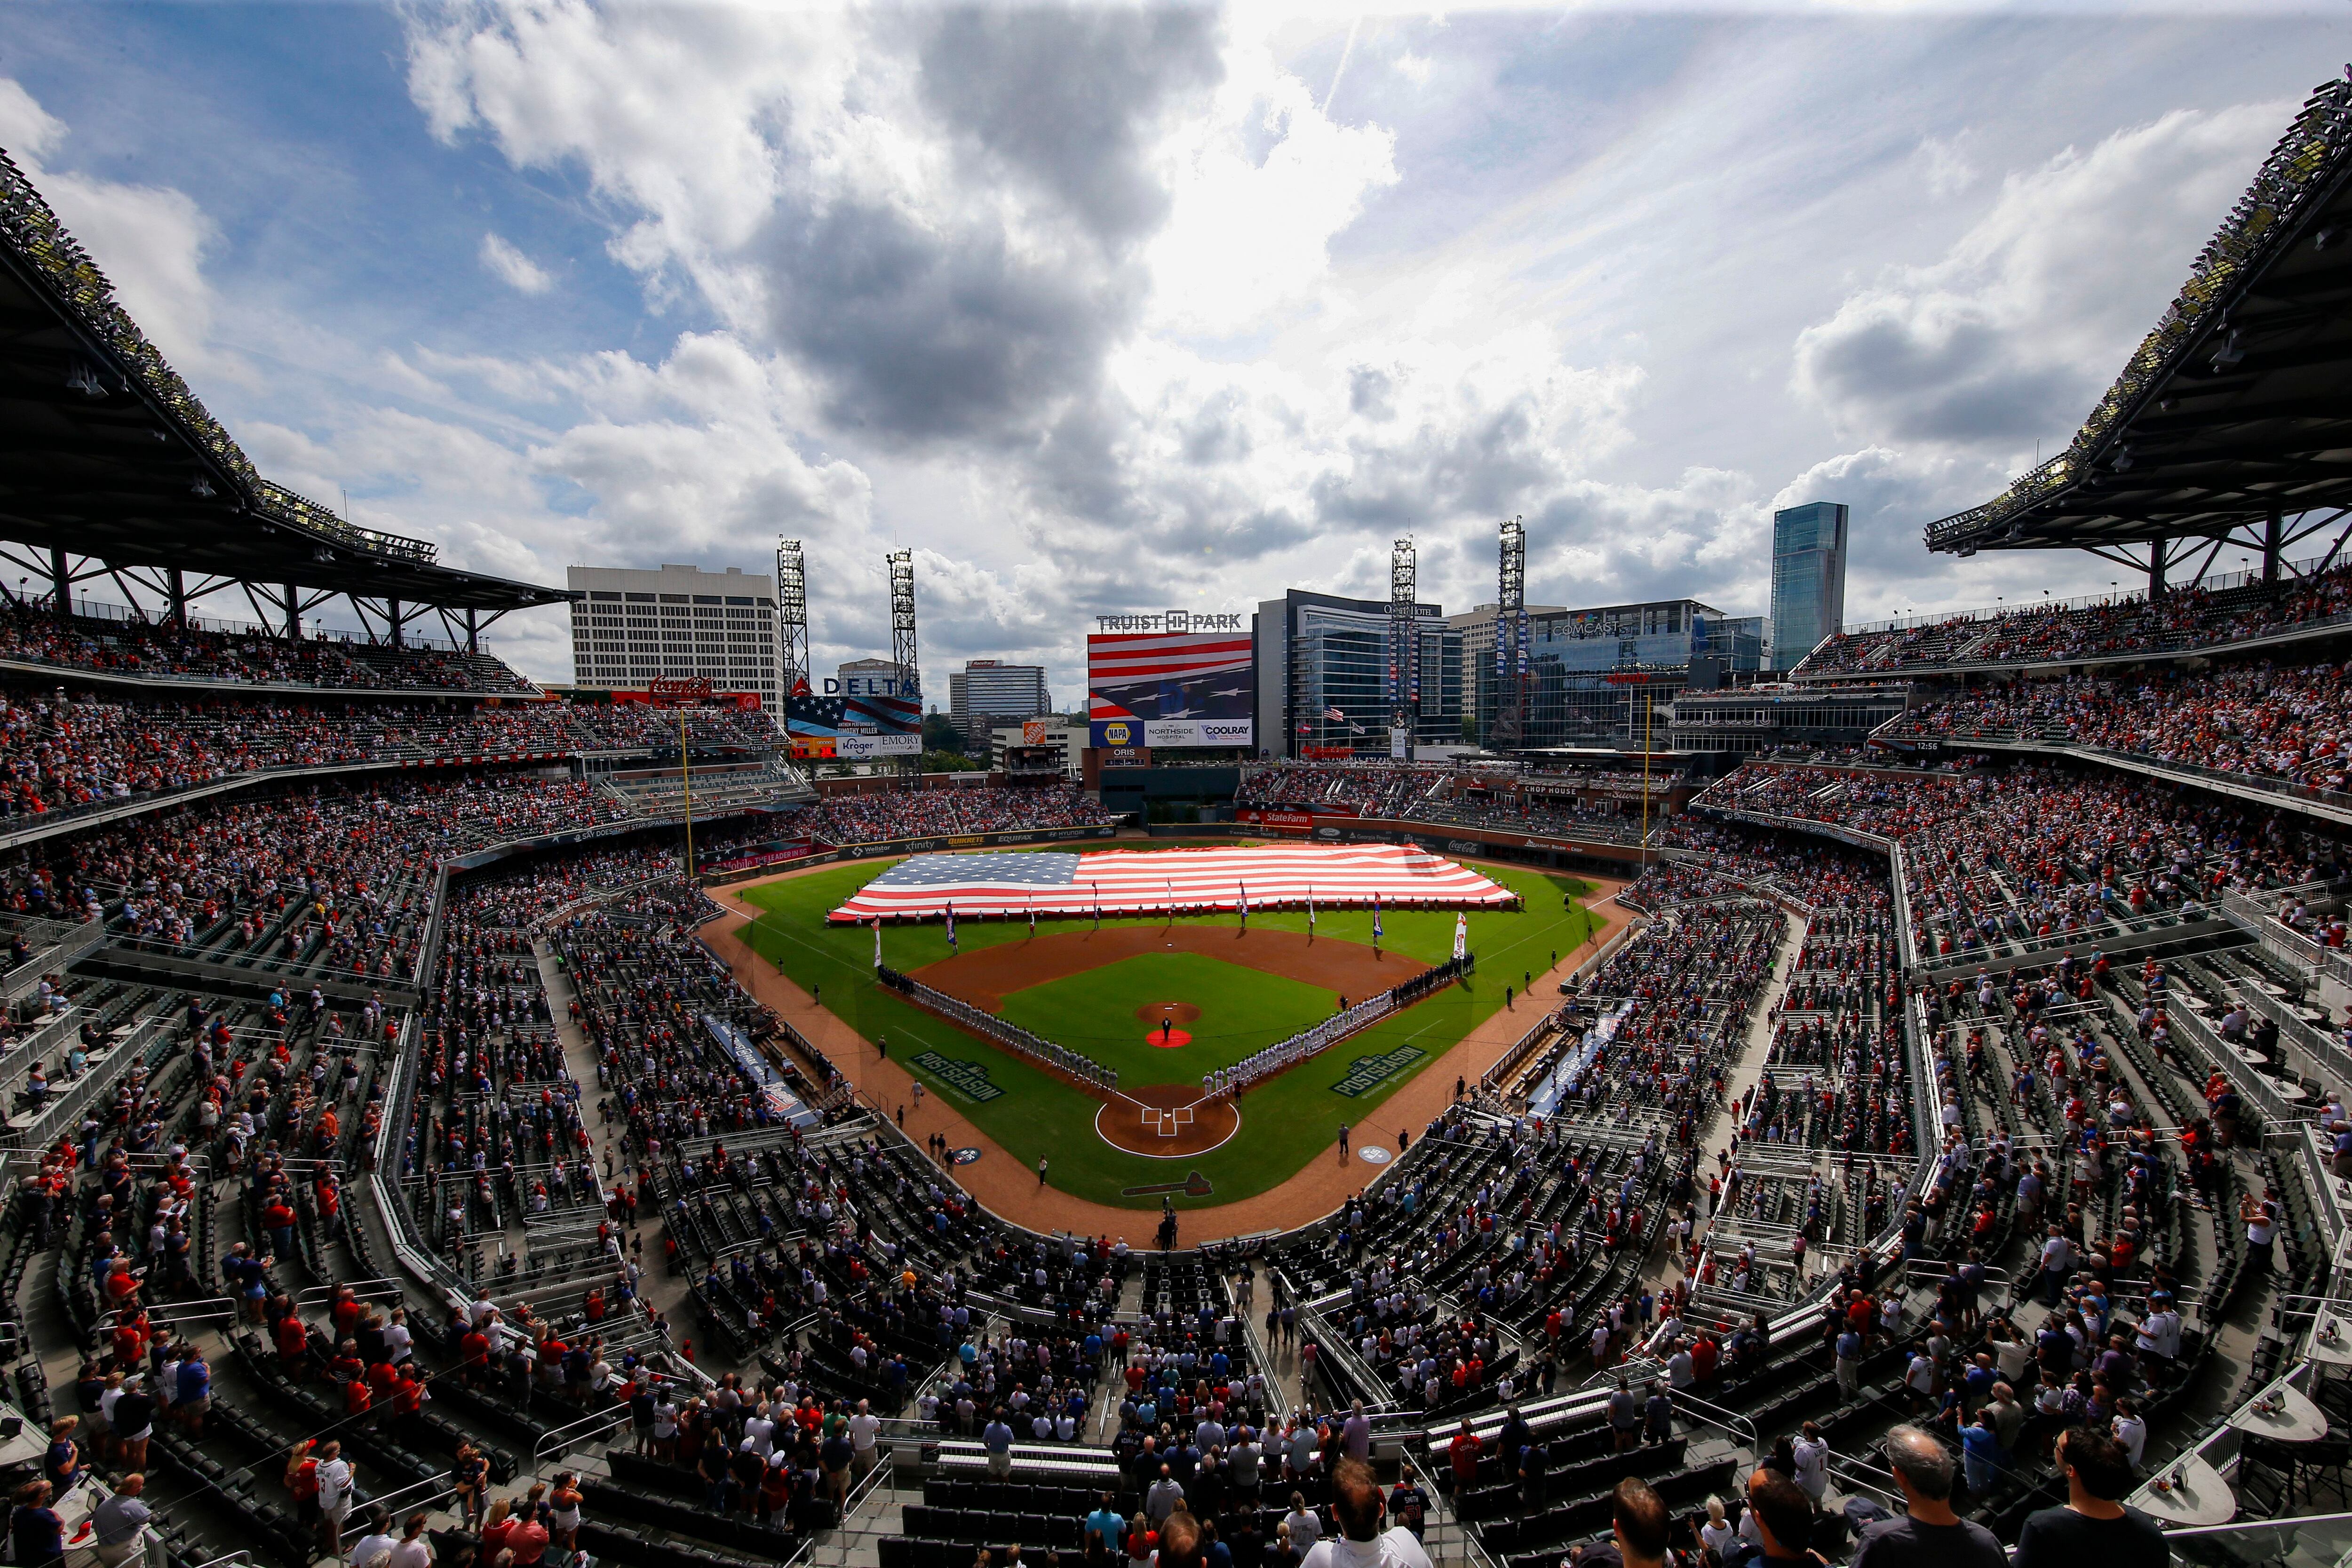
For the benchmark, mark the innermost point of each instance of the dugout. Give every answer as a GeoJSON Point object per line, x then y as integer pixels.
{"type": "Point", "coordinates": [1172, 795]}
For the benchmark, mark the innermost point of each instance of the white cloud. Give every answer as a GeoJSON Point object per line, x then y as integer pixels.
{"type": "Point", "coordinates": [1103, 309]}
{"type": "Point", "coordinates": [2013, 333]}
{"type": "Point", "coordinates": [1261, 185]}
{"type": "Point", "coordinates": [26, 130]}
{"type": "Point", "coordinates": [149, 241]}
{"type": "Point", "coordinates": [513, 268]}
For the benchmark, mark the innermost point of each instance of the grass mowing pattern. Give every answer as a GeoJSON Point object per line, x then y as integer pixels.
{"type": "Point", "coordinates": [1286, 1123]}
{"type": "Point", "coordinates": [1242, 1010]}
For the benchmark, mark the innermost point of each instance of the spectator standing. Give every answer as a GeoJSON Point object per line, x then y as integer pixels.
{"type": "Point", "coordinates": [2095, 1526]}
{"type": "Point", "coordinates": [1362, 1543]}
{"type": "Point", "coordinates": [121, 1522]}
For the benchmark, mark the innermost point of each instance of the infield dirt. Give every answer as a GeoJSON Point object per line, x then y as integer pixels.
{"type": "Point", "coordinates": [985, 976]}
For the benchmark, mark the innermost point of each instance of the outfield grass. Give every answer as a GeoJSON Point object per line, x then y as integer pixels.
{"type": "Point", "coordinates": [1242, 1010]}
{"type": "Point", "coordinates": [1294, 1118]}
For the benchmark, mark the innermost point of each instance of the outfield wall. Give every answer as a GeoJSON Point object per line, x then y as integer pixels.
{"type": "Point", "coordinates": [883, 848]}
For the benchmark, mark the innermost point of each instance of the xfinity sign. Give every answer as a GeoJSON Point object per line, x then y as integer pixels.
{"type": "Point", "coordinates": [1181, 621]}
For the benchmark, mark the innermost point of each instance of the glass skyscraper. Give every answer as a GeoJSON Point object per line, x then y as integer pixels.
{"type": "Point", "coordinates": [1808, 579]}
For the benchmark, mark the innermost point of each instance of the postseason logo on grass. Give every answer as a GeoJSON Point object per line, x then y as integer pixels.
{"type": "Point", "coordinates": [1368, 1073]}
{"type": "Point", "coordinates": [967, 1079]}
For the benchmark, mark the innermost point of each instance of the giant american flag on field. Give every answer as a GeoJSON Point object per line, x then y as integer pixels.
{"type": "Point", "coordinates": [1119, 882]}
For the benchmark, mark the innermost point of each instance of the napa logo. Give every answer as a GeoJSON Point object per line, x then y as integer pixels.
{"type": "Point", "coordinates": [1118, 735]}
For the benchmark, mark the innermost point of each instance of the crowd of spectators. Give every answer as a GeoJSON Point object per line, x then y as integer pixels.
{"type": "Point", "coordinates": [2185, 618]}
{"type": "Point", "coordinates": [1366, 789]}
{"type": "Point", "coordinates": [880, 815]}
{"type": "Point", "coordinates": [2266, 720]}
{"type": "Point", "coordinates": [1470, 796]}
{"type": "Point", "coordinates": [160, 650]}
{"type": "Point", "coordinates": [2036, 850]}
{"type": "Point", "coordinates": [60, 754]}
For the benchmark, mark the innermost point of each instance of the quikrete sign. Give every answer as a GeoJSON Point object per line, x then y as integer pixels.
{"type": "Point", "coordinates": [1181, 621]}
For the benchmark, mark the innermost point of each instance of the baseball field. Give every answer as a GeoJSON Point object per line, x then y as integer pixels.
{"type": "Point", "coordinates": [1163, 1002]}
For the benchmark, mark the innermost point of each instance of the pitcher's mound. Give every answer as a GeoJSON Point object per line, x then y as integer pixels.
{"type": "Point", "coordinates": [1167, 1120]}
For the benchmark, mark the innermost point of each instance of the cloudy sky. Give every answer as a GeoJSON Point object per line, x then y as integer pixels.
{"type": "Point", "coordinates": [1107, 308]}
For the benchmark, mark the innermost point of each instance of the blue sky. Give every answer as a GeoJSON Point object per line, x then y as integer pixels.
{"type": "Point", "coordinates": [1104, 310]}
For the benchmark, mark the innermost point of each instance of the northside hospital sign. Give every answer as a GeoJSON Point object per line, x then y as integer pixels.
{"type": "Point", "coordinates": [1181, 621]}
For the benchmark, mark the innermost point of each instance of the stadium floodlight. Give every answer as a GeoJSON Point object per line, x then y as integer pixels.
{"type": "Point", "coordinates": [792, 671]}
{"type": "Point", "coordinates": [1511, 639]}
{"type": "Point", "coordinates": [901, 565]}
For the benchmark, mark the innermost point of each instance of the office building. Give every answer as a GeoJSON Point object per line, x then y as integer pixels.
{"type": "Point", "coordinates": [1478, 634]}
{"type": "Point", "coordinates": [1605, 677]}
{"type": "Point", "coordinates": [632, 626]}
{"type": "Point", "coordinates": [1036, 749]}
{"type": "Point", "coordinates": [1808, 579]}
{"type": "Point", "coordinates": [1322, 668]}
{"type": "Point", "coordinates": [863, 677]}
{"type": "Point", "coordinates": [987, 693]}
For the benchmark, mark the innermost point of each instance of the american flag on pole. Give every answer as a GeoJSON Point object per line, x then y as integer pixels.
{"type": "Point", "coordinates": [1123, 882]}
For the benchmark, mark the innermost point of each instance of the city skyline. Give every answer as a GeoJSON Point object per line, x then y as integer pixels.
{"type": "Point", "coordinates": [1495, 264]}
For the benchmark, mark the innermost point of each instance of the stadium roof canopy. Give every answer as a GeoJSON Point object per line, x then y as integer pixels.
{"type": "Point", "coordinates": [2236, 411]}
{"type": "Point", "coordinates": [113, 467]}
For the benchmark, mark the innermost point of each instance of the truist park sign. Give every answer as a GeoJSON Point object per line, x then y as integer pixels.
{"type": "Point", "coordinates": [1178, 621]}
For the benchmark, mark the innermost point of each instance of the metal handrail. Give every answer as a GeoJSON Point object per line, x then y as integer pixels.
{"type": "Point", "coordinates": [1715, 1415]}
{"type": "Point", "coordinates": [362, 1290]}
{"type": "Point", "coordinates": [242, 1555]}
{"type": "Point", "coordinates": [2288, 1521]}
{"type": "Point", "coordinates": [446, 1490]}
{"type": "Point", "coordinates": [1474, 1553]}
{"type": "Point", "coordinates": [562, 1438]}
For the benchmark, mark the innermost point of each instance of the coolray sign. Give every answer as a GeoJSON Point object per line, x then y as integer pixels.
{"type": "Point", "coordinates": [967, 1079]}
{"type": "Point", "coordinates": [1178, 621]}
{"type": "Point", "coordinates": [1198, 732]}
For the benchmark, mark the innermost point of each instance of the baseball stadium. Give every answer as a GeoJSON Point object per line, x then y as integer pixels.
{"type": "Point", "coordinates": [462, 1120]}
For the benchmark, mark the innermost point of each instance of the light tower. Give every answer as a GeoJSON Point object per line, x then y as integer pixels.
{"type": "Point", "coordinates": [792, 619]}
{"type": "Point", "coordinates": [902, 645]}
{"type": "Point", "coordinates": [1511, 661]}
{"type": "Point", "coordinates": [1404, 649]}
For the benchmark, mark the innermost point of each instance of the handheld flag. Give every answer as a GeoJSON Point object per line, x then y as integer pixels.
{"type": "Point", "coordinates": [1376, 916]}
{"type": "Point", "coordinates": [1461, 937]}
{"type": "Point", "coordinates": [877, 941]}
{"type": "Point", "coordinates": [1311, 908]}
{"type": "Point", "coordinates": [951, 939]}
{"type": "Point", "coordinates": [1244, 888]}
